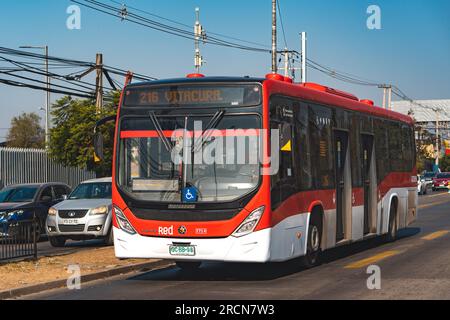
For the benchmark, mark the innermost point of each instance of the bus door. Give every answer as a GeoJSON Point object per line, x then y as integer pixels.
{"type": "Point", "coordinates": [367, 148]}
{"type": "Point", "coordinates": [341, 145]}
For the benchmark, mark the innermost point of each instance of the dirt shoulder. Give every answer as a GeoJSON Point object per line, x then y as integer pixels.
{"type": "Point", "coordinates": [19, 274]}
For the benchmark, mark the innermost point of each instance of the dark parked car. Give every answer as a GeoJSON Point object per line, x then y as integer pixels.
{"type": "Point", "coordinates": [19, 202]}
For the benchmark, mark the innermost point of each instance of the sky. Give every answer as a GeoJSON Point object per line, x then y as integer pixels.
{"type": "Point", "coordinates": [411, 50]}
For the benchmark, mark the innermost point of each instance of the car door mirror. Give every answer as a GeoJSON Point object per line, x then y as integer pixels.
{"type": "Point", "coordinates": [65, 197]}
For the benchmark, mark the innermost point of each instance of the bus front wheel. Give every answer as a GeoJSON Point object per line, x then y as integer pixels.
{"type": "Point", "coordinates": [313, 251]}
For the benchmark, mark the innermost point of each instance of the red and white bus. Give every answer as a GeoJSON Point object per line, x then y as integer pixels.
{"type": "Point", "coordinates": [346, 170]}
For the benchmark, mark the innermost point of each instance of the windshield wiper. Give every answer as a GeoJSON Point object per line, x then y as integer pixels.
{"type": "Point", "coordinates": [217, 117]}
{"type": "Point", "coordinates": [160, 132]}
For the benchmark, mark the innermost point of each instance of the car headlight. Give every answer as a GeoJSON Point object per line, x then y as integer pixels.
{"type": "Point", "coordinates": [14, 213]}
{"type": "Point", "coordinates": [123, 222]}
{"type": "Point", "coordinates": [99, 210]}
{"type": "Point", "coordinates": [52, 211]}
{"type": "Point", "coordinates": [249, 224]}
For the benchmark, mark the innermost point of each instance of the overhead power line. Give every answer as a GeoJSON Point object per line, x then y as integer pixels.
{"type": "Point", "coordinates": [123, 13]}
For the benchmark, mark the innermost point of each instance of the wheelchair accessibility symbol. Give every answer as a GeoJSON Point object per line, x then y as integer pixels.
{"type": "Point", "coordinates": [189, 195]}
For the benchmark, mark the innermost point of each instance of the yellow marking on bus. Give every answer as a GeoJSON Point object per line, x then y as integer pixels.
{"type": "Point", "coordinates": [435, 235]}
{"type": "Point", "coordinates": [370, 260]}
{"type": "Point", "coordinates": [287, 146]}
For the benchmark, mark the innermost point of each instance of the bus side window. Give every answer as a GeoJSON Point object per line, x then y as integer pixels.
{"type": "Point", "coordinates": [283, 184]}
{"type": "Point", "coordinates": [320, 125]}
{"type": "Point", "coordinates": [302, 164]}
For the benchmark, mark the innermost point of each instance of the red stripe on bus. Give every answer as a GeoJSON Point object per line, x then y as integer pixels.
{"type": "Point", "coordinates": [180, 133]}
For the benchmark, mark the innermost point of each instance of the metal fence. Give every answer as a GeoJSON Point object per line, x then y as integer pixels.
{"type": "Point", "coordinates": [18, 239]}
{"type": "Point", "coordinates": [34, 165]}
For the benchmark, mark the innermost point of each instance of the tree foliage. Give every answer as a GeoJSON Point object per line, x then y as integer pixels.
{"type": "Point", "coordinates": [444, 163]}
{"type": "Point", "coordinates": [71, 138]}
{"type": "Point", "coordinates": [26, 132]}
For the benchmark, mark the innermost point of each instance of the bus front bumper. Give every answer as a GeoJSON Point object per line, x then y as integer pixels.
{"type": "Point", "coordinates": [254, 247]}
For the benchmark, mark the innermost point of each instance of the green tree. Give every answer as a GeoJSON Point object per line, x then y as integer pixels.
{"type": "Point", "coordinates": [71, 138]}
{"type": "Point", "coordinates": [26, 132]}
{"type": "Point", "coordinates": [444, 163]}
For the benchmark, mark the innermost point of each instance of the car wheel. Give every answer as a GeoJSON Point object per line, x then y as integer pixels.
{"type": "Point", "coordinates": [188, 265]}
{"type": "Point", "coordinates": [38, 230]}
{"type": "Point", "coordinates": [57, 241]}
{"type": "Point", "coordinates": [109, 239]}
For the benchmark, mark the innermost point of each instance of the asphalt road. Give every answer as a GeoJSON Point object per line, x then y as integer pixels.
{"type": "Point", "coordinates": [416, 266]}
{"type": "Point", "coordinates": [45, 249]}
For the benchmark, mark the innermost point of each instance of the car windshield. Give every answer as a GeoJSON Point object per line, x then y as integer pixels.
{"type": "Point", "coordinates": [92, 191]}
{"type": "Point", "coordinates": [443, 175]}
{"type": "Point", "coordinates": [164, 157]}
{"type": "Point", "coordinates": [18, 194]}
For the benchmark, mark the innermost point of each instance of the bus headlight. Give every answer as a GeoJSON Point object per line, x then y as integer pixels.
{"type": "Point", "coordinates": [249, 224]}
{"type": "Point", "coordinates": [98, 210]}
{"type": "Point", "coordinates": [123, 222]}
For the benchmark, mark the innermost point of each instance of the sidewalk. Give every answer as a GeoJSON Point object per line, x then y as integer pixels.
{"type": "Point", "coordinates": [94, 264]}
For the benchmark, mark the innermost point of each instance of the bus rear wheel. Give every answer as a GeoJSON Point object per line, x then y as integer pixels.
{"type": "Point", "coordinates": [313, 251]}
{"type": "Point", "coordinates": [188, 265]}
{"type": "Point", "coordinates": [392, 232]}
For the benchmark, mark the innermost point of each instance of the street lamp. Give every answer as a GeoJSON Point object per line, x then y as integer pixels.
{"type": "Point", "coordinates": [47, 98]}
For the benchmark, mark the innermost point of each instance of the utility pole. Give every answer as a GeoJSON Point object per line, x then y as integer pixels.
{"type": "Point", "coordinates": [47, 101]}
{"type": "Point", "coordinates": [288, 54]}
{"type": "Point", "coordinates": [99, 83]}
{"type": "Point", "coordinates": [389, 106]}
{"type": "Point", "coordinates": [274, 36]}
{"type": "Point", "coordinates": [437, 139]}
{"type": "Point", "coordinates": [199, 33]}
{"type": "Point", "coordinates": [47, 96]}
{"type": "Point", "coordinates": [387, 93]}
{"type": "Point", "coordinates": [286, 62]}
{"type": "Point", "coordinates": [303, 56]}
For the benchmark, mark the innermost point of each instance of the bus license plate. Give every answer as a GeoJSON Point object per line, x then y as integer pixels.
{"type": "Point", "coordinates": [182, 250]}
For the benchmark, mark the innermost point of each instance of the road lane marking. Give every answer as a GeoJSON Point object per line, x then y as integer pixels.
{"type": "Point", "coordinates": [423, 206]}
{"type": "Point", "coordinates": [372, 259]}
{"type": "Point", "coordinates": [435, 235]}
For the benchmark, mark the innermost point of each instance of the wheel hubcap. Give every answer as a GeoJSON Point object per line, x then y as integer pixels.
{"type": "Point", "coordinates": [314, 238]}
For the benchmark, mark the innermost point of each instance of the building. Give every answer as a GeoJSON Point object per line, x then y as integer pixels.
{"type": "Point", "coordinates": [431, 116]}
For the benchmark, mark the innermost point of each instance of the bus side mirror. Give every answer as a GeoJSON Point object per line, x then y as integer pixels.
{"type": "Point", "coordinates": [98, 138]}
{"type": "Point", "coordinates": [98, 147]}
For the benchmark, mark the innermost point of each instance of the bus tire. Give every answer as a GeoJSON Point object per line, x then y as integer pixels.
{"type": "Point", "coordinates": [392, 230]}
{"type": "Point", "coordinates": [313, 244]}
{"type": "Point", "coordinates": [188, 265]}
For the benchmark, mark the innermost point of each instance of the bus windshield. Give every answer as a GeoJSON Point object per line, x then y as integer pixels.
{"type": "Point", "coordinates": [220, 164]}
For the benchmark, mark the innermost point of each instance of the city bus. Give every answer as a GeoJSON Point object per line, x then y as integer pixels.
{"type": "Point", "coordinates": [331, 170]}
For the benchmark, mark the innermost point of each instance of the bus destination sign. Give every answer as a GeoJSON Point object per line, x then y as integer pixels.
{"type": "Point", "coordinates": [242, 95]}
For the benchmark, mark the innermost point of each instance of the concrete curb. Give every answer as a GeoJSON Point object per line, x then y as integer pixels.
{"type": "Point", "coordinates": [36, 288]}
